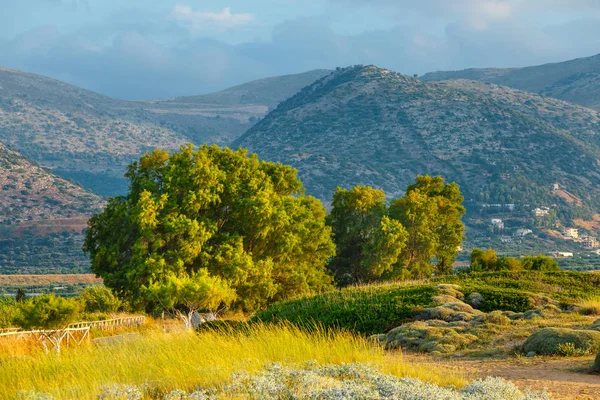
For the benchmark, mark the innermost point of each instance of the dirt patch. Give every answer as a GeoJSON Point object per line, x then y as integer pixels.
{"type": "Point", "coordinates": [568, 197]}
{"type": "Point", "coordinates": [564, 379]}
{"type": "Point", "coordinates": [593, 225]}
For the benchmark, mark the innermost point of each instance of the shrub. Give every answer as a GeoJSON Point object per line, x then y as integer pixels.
{"type": "Point", "coordinates": [368, 310]}
{"type": "Point", "coordinates": [100, 299]}
{"type": "Point", "coordinates": [504, 300]}
{"type": "Point", "coordinates": [47, 311]}
{"type": "Point", "coordinates": [596, 366]}
{"type": "Point", "coordinates": [8, 310]}
{"type": "Point", "coordinates": [547, 340]}
{"type": "Point", "coordinates": [566, 349]}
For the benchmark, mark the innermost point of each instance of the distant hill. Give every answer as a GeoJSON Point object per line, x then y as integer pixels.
{"type": "Point", "coordinates": [30, 194]}
{"type": "Point", "coordinates": [370, 126]}
{"type": "Point", "coordinates": [576, 81]}
{"type": "Point", "coordinates": [42, 217]}
{"type": "Point", "coordinates": [268, 91]}
{"type": "Point", "coordinates": [92, 138]}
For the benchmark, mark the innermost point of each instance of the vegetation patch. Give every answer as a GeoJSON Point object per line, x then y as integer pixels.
{"type": "Point", "coordinates": [550, 341]}
{"type": "Point", "coordinates": [367, 310]}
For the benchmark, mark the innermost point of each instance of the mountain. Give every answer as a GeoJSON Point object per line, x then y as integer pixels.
{"type": "Point", "coordinates": [576, 81]}
{"type": "Point", "coordinates": [370, 126]}
{"type": "Point", "coordinates": [269, 91]}
{"type": "Point", "coordinates": [91, 138]}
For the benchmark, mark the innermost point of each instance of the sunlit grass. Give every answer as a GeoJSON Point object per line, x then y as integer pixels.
{"type": "Point", "coordinates": [186, 360]}
{"type": "Point", "coordinates": [589, 306]}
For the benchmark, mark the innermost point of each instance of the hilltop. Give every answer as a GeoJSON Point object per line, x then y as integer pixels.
{"type": "Point", "coordinates": [91, 138]}
{"type": "Point", "coordinates": [576, 81]}
{"type": "Point", "coordinates": [370, 126]}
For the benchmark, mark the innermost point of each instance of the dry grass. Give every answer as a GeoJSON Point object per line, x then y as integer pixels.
{"type": "Point", "coordinates": [49, 278]}
{"type": "Point", "coordinates": [186, 360]}
{"type": "Point", "coordinates": [590, 306]}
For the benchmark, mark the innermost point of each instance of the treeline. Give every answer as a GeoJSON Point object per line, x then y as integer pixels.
{"type": "Point", "coordinates": [208, 228]}
{"type": "Point", "coordinates": [489, 261]}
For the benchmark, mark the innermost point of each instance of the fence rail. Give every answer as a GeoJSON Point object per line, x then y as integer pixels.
{"type": "Point", "coordinates": [75, 333]}
{"type": "Point", "coordinates": [111, 323]}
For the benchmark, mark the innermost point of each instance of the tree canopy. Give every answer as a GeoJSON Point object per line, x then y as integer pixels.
{"type": "Point", "coordinates": [368, 242]}
{"type": "Point", "coordinates": [211, 222]}
{"type": "Point", "coordinates": [431, 212]}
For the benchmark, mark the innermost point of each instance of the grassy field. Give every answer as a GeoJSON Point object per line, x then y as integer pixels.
{"type": "Point", "coordinates": [186, 360]}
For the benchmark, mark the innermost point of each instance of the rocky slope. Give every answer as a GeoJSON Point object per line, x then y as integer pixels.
{"type": "Point", "coordinates": [30, 194]}
{"type": "Point", "coordinates": [576, 81]}
{"type": "Point", "coordinates": [370, 126]}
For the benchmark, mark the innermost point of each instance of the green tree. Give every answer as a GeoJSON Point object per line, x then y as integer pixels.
{"type": "Point", "coordinates": [242, 220]}
{"type": "Point", "coordinates": [488, 260]}
{"type": "Point", "coordinates": [47, 311]}
{"type": "Point", "coordinates": [431, 212]}
{"type": "Point", "coordinates": [367, 242]}
{"type": "Point", "coordinates": [193, 293]}
{"type": "Point", "coordinates": [540, 263]}
{"type": "Point", "coordinates": [483, 260]}
{"type": "Point", "coordinates": [100, 299]}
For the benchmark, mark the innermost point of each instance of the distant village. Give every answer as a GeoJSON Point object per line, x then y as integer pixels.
{"type": "Point", "coordinates": [586, 241]}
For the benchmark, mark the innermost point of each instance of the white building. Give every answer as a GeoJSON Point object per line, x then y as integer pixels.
{"type": "Point", "coordinates": [497, 223]}
{"type": "Point", "coordinates": [562, 254]}
{"type": "Point", "coordinates": [506, 239]}
{"type": "Point", "coordinates": [540, 212]}
{"type": "Point", "coordinates": [572, 233]}
{"type": "Point", "coordinates": [523, 232]}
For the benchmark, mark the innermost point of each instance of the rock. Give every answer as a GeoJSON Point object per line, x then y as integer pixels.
{"type": "Point", "coordinates": [530, 354]}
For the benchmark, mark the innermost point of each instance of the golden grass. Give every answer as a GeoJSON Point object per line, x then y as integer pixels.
{"type": "Point", "coordinates": [590, 306]}
{"type": "Point", "coordinates": [185, 360]}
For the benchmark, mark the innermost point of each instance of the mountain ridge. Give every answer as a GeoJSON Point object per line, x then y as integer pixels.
{"type": "Point", "coordinates": [576, 81]}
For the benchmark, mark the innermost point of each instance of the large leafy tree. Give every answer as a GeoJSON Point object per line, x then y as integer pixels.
{"type": "Point", "coordinates": [431, 211]}
{"type": "Point", "coordinates": [211, 213]}
{"type": "Point", "coordinates": [368, 242]}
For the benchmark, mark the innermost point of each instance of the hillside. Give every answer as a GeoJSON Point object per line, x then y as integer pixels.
{"type": "Point", "coordinates": [29, 193]}
{"type": "Point", "coordinates": [91, 138]}
{"type": "Point", "coordinates": [366, 125]}
{"type": "Point", "coordinates": [576, 81]}
{"type": "Point", "coordinates": [41, 218]}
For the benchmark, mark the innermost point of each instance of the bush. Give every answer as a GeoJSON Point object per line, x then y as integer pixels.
{"type": "Point", "coordinates": [596, 366]}
{"type": "Point", "coordinates": [546, 341]}
{"type": "Point", "coordinates": [100, 299]}
{"type": "Point", "coordinates": [368, 310]}
{"type": "Point", "coordinates": [504, 300]}
{"type": "Point", "coordinates": [47, 312]}
{"type": "Point", "coordinates": [8, 310]}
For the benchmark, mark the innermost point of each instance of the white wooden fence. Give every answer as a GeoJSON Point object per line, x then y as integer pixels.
{"type": "Point", "coordinates": [76, 333]}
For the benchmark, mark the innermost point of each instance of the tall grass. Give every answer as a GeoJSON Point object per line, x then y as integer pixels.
{"type": "Point", "coordinates": [589, 306]}
{"type": "Point", "coordinates": [186, 360]}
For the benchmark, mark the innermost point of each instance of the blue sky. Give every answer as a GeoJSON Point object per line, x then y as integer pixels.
{"type": "Point", "coordinates": [154, 49]}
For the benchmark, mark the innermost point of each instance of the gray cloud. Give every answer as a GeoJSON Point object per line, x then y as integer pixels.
{"type": "Point", "coordinates": [137, 54]}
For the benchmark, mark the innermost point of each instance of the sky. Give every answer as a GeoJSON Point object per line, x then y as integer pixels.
{"type": "Point", "coordinates": [134, 49]}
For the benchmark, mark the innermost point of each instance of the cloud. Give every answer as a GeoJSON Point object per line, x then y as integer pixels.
{"type": "Point", "coordinates": [141, 54]}
{"type": "Point", "coordinates": [199, 21]}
